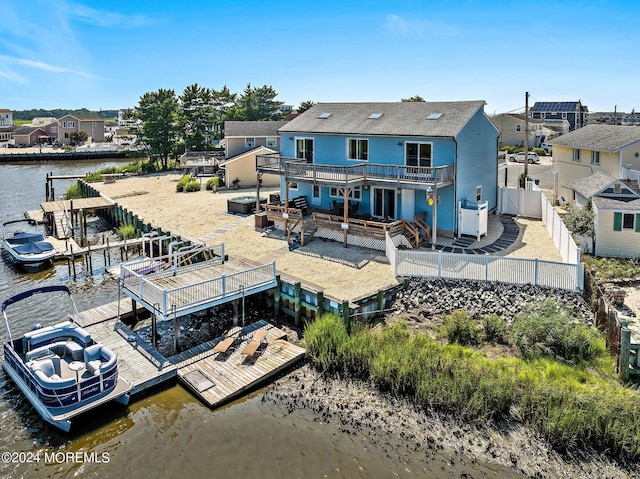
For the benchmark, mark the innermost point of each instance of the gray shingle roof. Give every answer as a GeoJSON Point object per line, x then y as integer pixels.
{"type": "Point", "coordinates": [609, 138]}
{"type": "Point", "coordinates": [615, 204]}
{"type": "Point", "coordinates": [252, 128]}
{"type": "Point", "coordinates": [590, 185]}
{"type": "Point", "coordinates": [397, 119]}
{"type": "Point", "coordinates": [27, 130]}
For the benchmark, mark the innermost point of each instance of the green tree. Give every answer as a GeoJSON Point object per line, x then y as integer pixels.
{"type": "Point", "coordinates": [580, 220]}
{"type": "Point", "coordinates": [223, 103]}
{"type": "Point", "coordinates": [197, 116]}
{"type": "Point", "coordinates": [415, 98]}
{"type": "Point", "coordinates": [158, 112]}
{"type": "Point", "coordinates": [258, 104]}
{"type": "Point", "coordinates": [305, 105]}
{"type": "Point", "coordinates": [78, 137]}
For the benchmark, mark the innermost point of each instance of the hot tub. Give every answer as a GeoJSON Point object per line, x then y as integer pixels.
{"type": "Point", "coordinates": [243, 204]}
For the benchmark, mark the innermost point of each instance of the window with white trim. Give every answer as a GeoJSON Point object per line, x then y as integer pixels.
{"type": "Point", "coordinates": [249, 142]}
{"type": "Point", "coordinates": [627, 221]}
{"type": "Point", "coordinates": [479, 193]}
{"type": "Point", "coordinates": [272, 142]}
{"type": "Point", "coordinates": [564, 115]}
{"type": "Point", "coordinates": [357, 149]}
{"type": "Point", "coordinates": [518, 127]}
{"type": "Point", "coordinates": [355, 193]}
{"type": "Point", "coordinates": [595, 157]}
{"type": "Point", "coordinates": [576, 154]}
{"type": "Point", "coordinates": [418, 154]}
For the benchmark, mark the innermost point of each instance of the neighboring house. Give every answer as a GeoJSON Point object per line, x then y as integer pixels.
{"type": "Point", "coordinates": [585, 188]}
{"type": "Point", "coordinates": [6, 117]}
{"type": "Point", "coordinates": [632, 119]}
{"type": "Point", "coordinates": [511, 127]}
{"type": "Point", "coordinates": [606, 117]}
{"type": "Point", "coordinates": [92, 125]}
{"type": "Point", "coordinates": [110, 128]}
{"type": "Point", "coordinates": [616, 209]}
{"type": "Point", "coordinates": [242, 168]}
{"type": "Point", "coordinates": [29, 136]}
{"type": "Point", "coordinates": [573, 111]}
{"type": "Point", "coordinates": [390, 160]}
{"type": "Point", "coordinates": [595, 147]}
{"type": "Point", "coordinates": [241, 136]}
{"type": "Point", "coordinates": [42, 121]}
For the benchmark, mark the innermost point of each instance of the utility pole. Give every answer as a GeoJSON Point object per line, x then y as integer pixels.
{"type": "Point", "coordinates": [526, 138]}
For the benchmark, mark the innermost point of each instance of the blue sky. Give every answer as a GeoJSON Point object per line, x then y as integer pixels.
{"type": "Point", "coordinates": [106, 55]}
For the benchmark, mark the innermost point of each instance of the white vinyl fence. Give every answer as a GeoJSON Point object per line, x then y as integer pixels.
{"type": "Point", "coordinates": [485, 268]}
{"type": "Point", "coordinates": [532, 203]}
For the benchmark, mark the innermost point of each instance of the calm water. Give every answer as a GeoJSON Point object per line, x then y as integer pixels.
{"type": "Point", "coordinates": [168, 434]}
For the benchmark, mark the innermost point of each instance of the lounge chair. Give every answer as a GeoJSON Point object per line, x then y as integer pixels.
{"type": "Point", "coordinates": [256, 340]}
{"type": "Point", "coordinates": [224, 345]}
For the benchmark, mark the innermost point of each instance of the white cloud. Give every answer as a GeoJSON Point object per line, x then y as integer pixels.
{"type": "Point", "coordinates": [40, 66]}
{"type": "Point", "coordinates": [102, 18]}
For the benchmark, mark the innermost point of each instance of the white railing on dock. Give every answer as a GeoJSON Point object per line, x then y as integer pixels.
{"type": "Point", "coordinates": [431, 264]}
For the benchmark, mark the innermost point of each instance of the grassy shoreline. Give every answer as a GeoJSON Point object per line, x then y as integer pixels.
{"type": "Point", "coordinates": [572, 406]}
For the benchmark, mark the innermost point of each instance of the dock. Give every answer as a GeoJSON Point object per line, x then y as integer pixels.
{"type": "Point", "coordinates": [218, 378]}
{"type": "Point", "coordinates": [59, 214]}
{"type": "Point", "coordinates": [214, 378]}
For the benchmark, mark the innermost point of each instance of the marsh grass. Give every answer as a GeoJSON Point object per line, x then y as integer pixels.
{"type": "Point", "coordinates": [73, 192]}
{"type": "Point", "coordinates": [127, 232]}
{"type": "Point", "coordinates": [572, 406]}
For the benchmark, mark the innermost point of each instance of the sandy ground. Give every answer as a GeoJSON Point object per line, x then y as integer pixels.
{"type": "Point", "coordinates": [342, 273]}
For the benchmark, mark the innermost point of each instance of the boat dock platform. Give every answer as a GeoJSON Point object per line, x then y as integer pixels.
{"type": "Point", "coordinates": [215, 378]}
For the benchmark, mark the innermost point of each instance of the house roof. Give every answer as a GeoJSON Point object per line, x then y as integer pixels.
{"type": "Point", "coordinates": [592, 184]}
{"type": "Point", "coordinates": [556, 106]}
{"type": "Point", "coordinates": [27, 130]}
{"type": "Point", "coordinates": [395, 119]}
{"type": "Point", "coordinates": [616, 203]}
{"type": "Point", "coordinates": [263, 150]}
{"type": "Point", "coordinates": [597, 137]}
{"type": "Point", "coordinates": [252, 128]}
{"type": "Point", "coordinates": [627, 197]}
{"type": "Point", "coordinates": [84, 117]}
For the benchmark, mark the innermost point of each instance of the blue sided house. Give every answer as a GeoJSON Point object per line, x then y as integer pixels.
{"type": "Point", "coordinates": [389, 161]}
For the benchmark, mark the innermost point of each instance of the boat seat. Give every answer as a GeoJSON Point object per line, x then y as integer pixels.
{"type": "Point", "coordinates": [39, 353]}
{"type": "Point", "coordinates": [50, 367]}
{"type": "Point", "coordinates": [99, 359]}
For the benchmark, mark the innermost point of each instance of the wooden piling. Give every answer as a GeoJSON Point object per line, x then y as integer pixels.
{"type": "Point", "coordinates": [625, 352]}
{"type": "Point", "coordinates": [297, 302]}
{"type": "Point", "coordinates": [276, 296]}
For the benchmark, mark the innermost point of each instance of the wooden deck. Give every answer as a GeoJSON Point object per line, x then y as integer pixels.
{"type": "Point", "coordinates": [217, 378]}
{"type": "Point", "coordinates": [194, 287]}
{"type": "Point", "coordinates": [142, 368]}
{"type": "Point", "coordinates": [49, 207]}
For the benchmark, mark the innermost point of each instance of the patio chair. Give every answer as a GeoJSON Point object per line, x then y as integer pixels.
{"type": "Point", "coordinates": [256, 340]}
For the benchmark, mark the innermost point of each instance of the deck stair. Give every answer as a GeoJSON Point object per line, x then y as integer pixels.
{"type": "Point", "coordinates": [62, 222]}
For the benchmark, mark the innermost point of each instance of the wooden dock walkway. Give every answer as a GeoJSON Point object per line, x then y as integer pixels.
{"type": "Point", "coordinates": [218, 378]}
{"type": "Point", "coordinates": [214, 378]}
{"type": "Point", "coordinates": [137, 364]}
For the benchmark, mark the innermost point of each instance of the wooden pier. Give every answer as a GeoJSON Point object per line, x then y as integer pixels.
{"type": "Point", "coordinates": [213, 377]}
{"type": "Point", "coordinates": [218, 378]}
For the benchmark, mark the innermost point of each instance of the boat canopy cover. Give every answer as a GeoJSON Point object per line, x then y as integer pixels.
{"type": "Point", "coordinates": [24, 238]}
{"type": "Point", "coordinates": [31, 292]}
{"type": "Point", "coordinates": [33, 248]}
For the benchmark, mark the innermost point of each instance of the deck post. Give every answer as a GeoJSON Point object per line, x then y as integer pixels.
{"type": "Point", "coordinates": [154, 329]}
{"type": "Point", "coordinates": [234, 303]}
{"type": "Point", "coordinates": [345, 216]}
{"type": "Point", "coordinates": [623, 358]}
{"type": "Point", "coordinates": [345, 315]}
{"type": "Point", "coordinates": [276, 296]}
{"type": "Point", "coordinates": [176, 328]}
{"type": "Point", "coordinates": [380, 299]}
{"type": "Point", "coordinates": [134, 310]}
{"type": "Point", "coordinates": [320, 300]}
{"type": "Point", "coordinates": [297, 302]}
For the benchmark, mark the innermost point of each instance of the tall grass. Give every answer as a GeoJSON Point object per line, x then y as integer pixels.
{"type": "Point", "coordinates": [569, 405]}
{"type": "Point", "coordinates": [73, 192]}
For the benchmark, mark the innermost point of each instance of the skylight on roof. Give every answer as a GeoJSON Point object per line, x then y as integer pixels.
{"type": "Point", "coordinates": [324, 116]}
{"type": "Point", "coordinates": [434, 116]}
{"type": "Point", "coordinates": [375, 116]}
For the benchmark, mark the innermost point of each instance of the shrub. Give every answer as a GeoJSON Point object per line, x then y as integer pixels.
{"type": "Point", "coordinates": [182, 183]}
{"type": "Point", "coordinates": [539, 151]}
{"type": "Point", "coordinates": [73, 192]}
{"type": "Point", "coordinates": [192, 186]}
{"type": "Point", "coordinates": [580, 219]}
{"type": "Point", "coordinates": [548, 329]}
{"type": "Point", "coordinates": [216, 180]}
{"type": "Point", "coordinates": [495, 329]}
{"type": "Point", "coordinates": [461, 328]}
{"type": "Point", "coordinates": [127, 232]}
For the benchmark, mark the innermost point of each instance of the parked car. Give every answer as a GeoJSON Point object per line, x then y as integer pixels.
{"type": "Point", "coordinates": [519, 157]}
{"type": "Point", "coordinates": [548, 149]}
